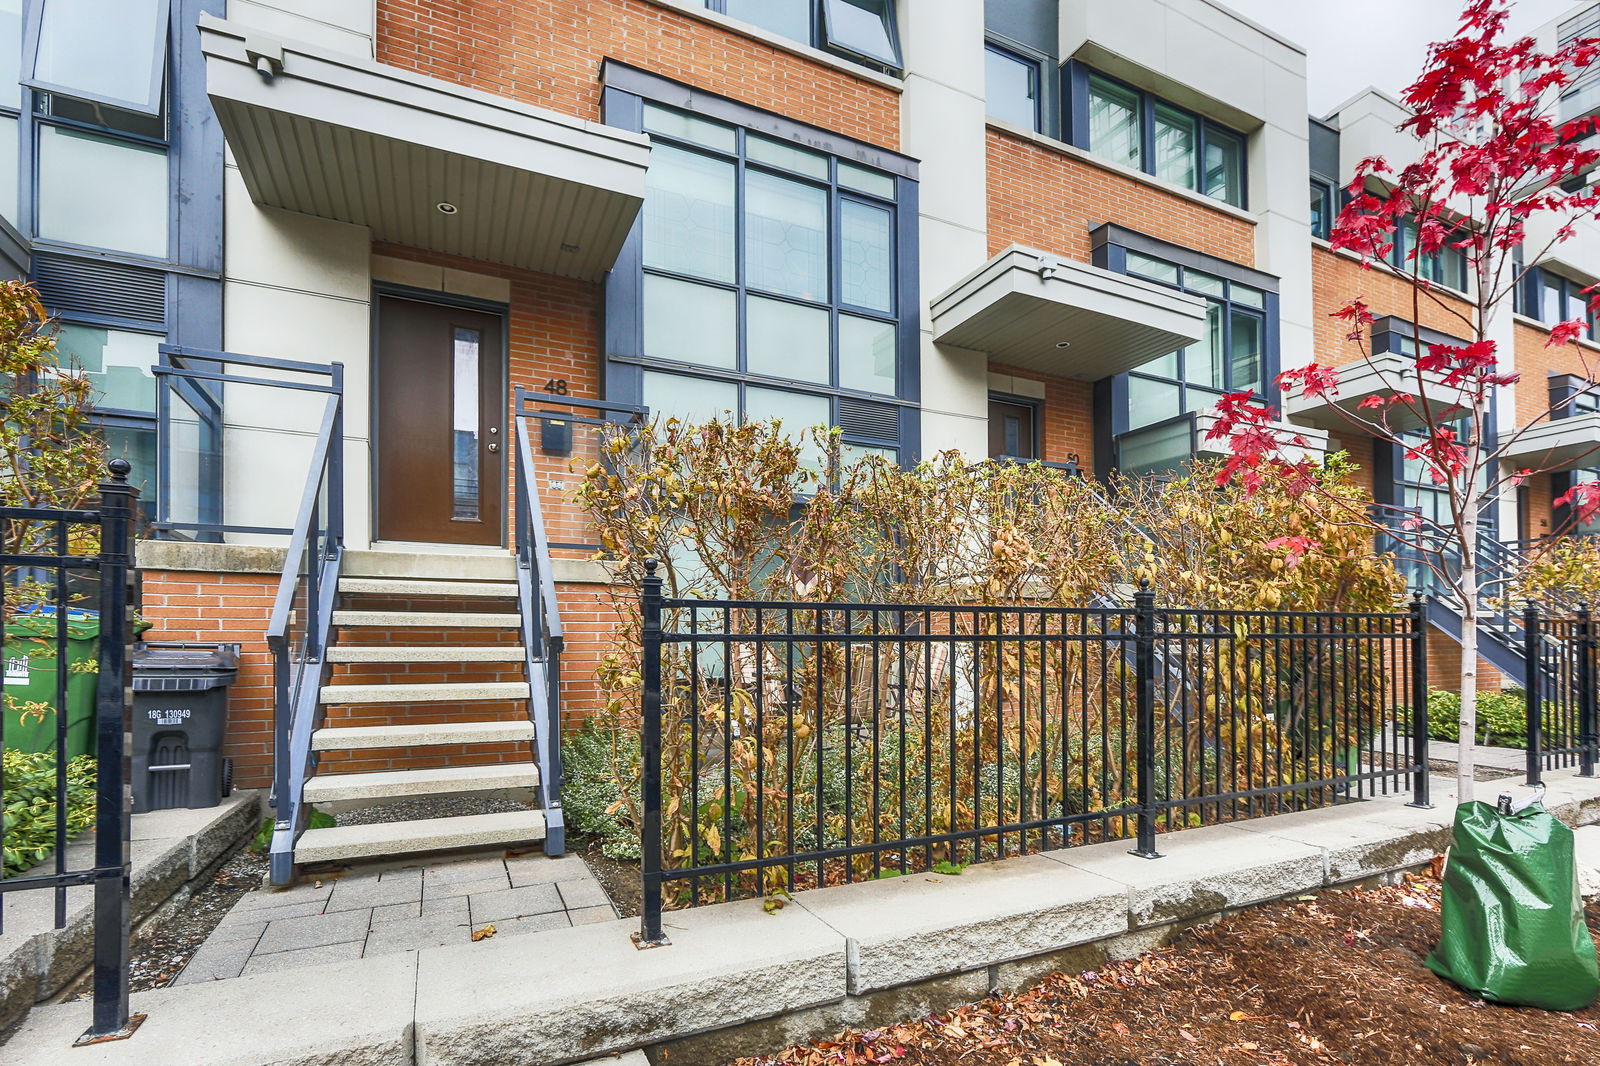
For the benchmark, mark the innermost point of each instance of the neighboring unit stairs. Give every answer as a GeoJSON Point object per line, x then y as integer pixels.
{"type": "Point", "coordinates": [406, 614]}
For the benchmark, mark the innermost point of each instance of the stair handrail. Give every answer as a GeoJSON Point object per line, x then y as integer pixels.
{"type": "Point", "coordinates": [300, 666]}
{"type": "Point", "coordinates": [543, 636]}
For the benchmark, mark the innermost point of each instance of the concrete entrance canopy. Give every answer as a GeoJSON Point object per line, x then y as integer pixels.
{"type": "Point", "coordinates": [1382, 375]}
{"type": "Point", "coordinates": [1030, 309]}
{"type": "Point", "coordinates": [1558, 444]}
{"type": "Point", "coordinates": [420, 161]}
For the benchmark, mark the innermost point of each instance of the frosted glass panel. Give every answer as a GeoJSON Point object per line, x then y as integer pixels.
{"type": "Point", "coordinates": [787, 18]}
{"type": "Point", "coordinates": [688, 214]}
{"type": "Point", "coordinates": [117, 363]}
{"type": "Point", "coordinates": [101, 192]}
{"type": "Point", "coordinates": [8, 168]}
{"type": "Point", "coordinates": [866, 256]}
{"type": "Point", "coordinates": [866, 354]}
{"type": "Point", "coordinates": [688, 399]}
{"type": "Point", "coordinates": [10, 52]}
{"type": "Point", "coordinates": [688, 322]}
{"type": "Point", "coordinates": [787, 340]}
{"type": "Point", "coordinates": [788, 156]}
{"type": "Point", "coordinates": [464, 423]}
{"type": "Point", "coordinates": [786, 237]}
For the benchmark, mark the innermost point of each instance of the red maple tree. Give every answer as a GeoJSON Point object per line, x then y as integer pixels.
{"type": "Point", "coordinates": [1492, 155]}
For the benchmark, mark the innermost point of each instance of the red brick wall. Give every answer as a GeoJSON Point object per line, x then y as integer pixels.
{"type": "Point", "coordinates": [1066, 413]}
{"type": "Point", "coordinates": [1337, 279]}
{"type": "Point", "coordinates": [1047, 199]}
{"type": "Point", "coordinates": [549, 54]}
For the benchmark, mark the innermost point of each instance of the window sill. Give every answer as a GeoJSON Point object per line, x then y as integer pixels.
{"type": "Point", "coordinates": [1438, 287]}
{"type": "Point", "coordinates": [784, 44]}
{"type": "Point", "coordinates": [1544, 327]}
{"type": "Point", "coordinates": [1022, 133]}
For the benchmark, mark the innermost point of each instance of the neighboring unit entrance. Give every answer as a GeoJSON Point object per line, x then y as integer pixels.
{"type": "Point", "coordinates": [438, 410]}
{"type": "Point", "coordinates": [1011, 430]}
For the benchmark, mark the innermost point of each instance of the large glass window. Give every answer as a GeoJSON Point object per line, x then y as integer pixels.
{"type": "Point", "coordinates": [117, 362]}
{"type": "Point", "coordinates": [102, 191]}
{"type": "Point", "coordinates": [770, 279]}
{"type": "Point", "coordinates": [1232, 357]}
{"type": "Point", "coordinates": [1446, 266]}
{"type": "Point", "coordinates": [111, 51]}
{"type": "Point", "coordinates": [1140, 130]}
{"type": "Point", "coordinates": [1322, 210]}
{"type": "Point", "coordinates": [1552, 298]}
{"type": "Point", "coordinates": [856, 29]}
{"type": "Point", "coordinates": [1012, 87]}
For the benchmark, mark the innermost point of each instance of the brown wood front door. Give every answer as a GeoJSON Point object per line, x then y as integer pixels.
{"type": "Point", "coordinates": [439, 412]}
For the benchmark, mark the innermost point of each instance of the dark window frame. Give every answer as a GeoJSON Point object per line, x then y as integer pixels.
{"type": "Point", "coordinates": [820, 38]}
{"type": "Point", "coordinates": [627, 90]}
{"type": "Point", "coordinates": [1075, 127]}
{"type": "Point", "coordinates": [1329, 190]}
{"type": "Point", "coordinates": [33, 26]}
{"type": "Point", "coordinates": [1529, 298]}
{"type": "Point", "coordinates": [1042, 106]}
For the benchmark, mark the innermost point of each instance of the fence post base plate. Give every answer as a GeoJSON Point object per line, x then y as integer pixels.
{"type": "Point", "coordinates": [1421, 806]}
{"type": "Point", "coordinates": [645, 945]}
{"type": "Point", "coordinates": [1145, 854]}
{"type": "Point", "coordinates": [90, 1037]}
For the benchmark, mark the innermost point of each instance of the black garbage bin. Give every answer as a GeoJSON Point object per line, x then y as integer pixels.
{"type": "Point", "coordinates": [180, 715]}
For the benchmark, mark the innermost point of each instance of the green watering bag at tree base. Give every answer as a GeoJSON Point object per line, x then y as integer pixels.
{"type": "Point", "coordinates": [1513, 929]}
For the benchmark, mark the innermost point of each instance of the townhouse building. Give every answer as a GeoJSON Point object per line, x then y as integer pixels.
{"type": "Point", "coordinates": [355, 239]}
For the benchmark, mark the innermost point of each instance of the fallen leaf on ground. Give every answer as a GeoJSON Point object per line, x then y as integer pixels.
{"type": "Point", "coordinates": [483, 934]}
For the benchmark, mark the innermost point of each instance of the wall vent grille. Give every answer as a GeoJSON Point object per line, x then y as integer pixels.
{"type": "Point", "coordinates": [91, 287]}
{"type": "Point", "coordinates": [863, 418]}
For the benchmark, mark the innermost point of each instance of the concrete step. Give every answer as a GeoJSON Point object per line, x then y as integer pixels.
{"type": "Point", "coordinates": [351, 738]}
{"type": "Point", "coordinates": [428, 619]}
{"type": "Point", "coordinates": [436, 566]}
{"type": "Point", "coordinates": [425, 834]}
{"type": "Point", "coordinates": [389, 653]}
{"type": "Point", "coordinates": [340, 695]}
{"type": "Point", "coordinates": [433, 781]}
{"type": "Point", "coordinates": [392, 586]}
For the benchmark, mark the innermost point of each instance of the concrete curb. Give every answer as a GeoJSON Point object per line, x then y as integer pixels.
{"type": "Point", "coordinates": [738, 981]}
{"type": "Point", "coordinates": [170, 850]}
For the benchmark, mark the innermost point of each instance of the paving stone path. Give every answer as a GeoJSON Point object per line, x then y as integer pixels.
{"type": "Point", "coordinates": [380, 911]}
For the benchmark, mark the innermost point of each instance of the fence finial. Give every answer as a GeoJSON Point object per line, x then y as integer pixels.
{"type": "Point", "coordinates": [1416, 595]}
{"type": "Point", "coordinates": [650, 565]}
{"type": "Point", "coordinates": [1144, 583]}
{"type": "Point", "coordinates": [120, 468]}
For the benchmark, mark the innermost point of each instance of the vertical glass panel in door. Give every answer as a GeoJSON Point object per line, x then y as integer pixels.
{"type": "Point", "coordinates": [690, 323]}
{"type": "Point", "coordinates": [1176, 136]}
{"type": "Point", "coordinates": [465, 431]}
{"type": "Point", "coordinates": [1012, 88]}
{"type": "Point", "coordinates": [787, 18]}
{"type": "Point", "coordinates": [786, 340]}
{"type": "Point", "coordinates": [688, 214]}
{"type": "Point", "coordinates": [866, 256]}
{"type": "Point", "coordinates": [1114, 123]}
{"type": "Point", "coordinates": [114, 51]}
{"type": "Point", "coordinates": [786, 237]}
{"type": "Point", "coordinates": [1246, 341]}
{"type": "Point", "coordinates": [102, 192]}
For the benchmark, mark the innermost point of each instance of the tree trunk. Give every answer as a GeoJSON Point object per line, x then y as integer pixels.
{"type": "Point", "coordinates": [1467, 588]}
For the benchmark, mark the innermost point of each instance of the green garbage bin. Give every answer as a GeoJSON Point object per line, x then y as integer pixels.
{"type": "Point", "coordinates": [30, 678]}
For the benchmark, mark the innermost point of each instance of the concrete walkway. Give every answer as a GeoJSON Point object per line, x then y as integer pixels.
{"type": "Point", "coordinates": [397, 908]}
{"type": "Point", "coordinates": [737, 980]}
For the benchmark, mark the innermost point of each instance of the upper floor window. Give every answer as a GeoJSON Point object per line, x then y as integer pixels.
{"type": "Point", "coordinates": [108, 51]}
{"type": "Point", "coordinates": [1322, 209]}
{"type": "Point", "coordinates": [1013, 84]}
{"type": "Point", "coordinates": [1446, 266]}
{"type": "Point", "coordinates": [1137, 129]}
{"type": "Point", "coordinates": [1549, 297]}
{"type": "Point", "coordinates": [863, 30]}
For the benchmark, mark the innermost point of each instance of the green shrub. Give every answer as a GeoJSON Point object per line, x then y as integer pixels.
{"type": "Point", "coordinates": [30, 805]}
{"type": "Point", "coordinates": [1502, 717]}
{"type": "Point", "coordinates": [263, 841]}
{"type": "Point", "coordinates": [589, 792]}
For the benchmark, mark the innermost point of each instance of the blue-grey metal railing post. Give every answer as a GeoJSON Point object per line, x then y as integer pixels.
{"type": "Point", "coordinates": [650, 931]}
{"type": "Point", "coordinates": [1534, 692]}
{"type": "Point", "coordinates": [112, 887]}
{"type": "Point", "coordinates": [1419, 700]}
{"type": "Point", "coordinates": [1587, 726]}
{"type": "Point", "coordinates": [336, 464]}
{"type": "Point", "coordinates": [1144, 692]}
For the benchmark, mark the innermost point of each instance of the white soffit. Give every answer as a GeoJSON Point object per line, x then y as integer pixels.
{"type": "Point", "coordinates": [1558, 444]}
{"type": "Point", "coordinates": [349, 139]}
{"type": "Point", "coordinates": [1030, 309]}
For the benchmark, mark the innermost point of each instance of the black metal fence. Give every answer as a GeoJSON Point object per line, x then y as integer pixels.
{"type": "Point", "coordinates": [51, 557]}
{"type": "Point", "coordinates": [793, 745]}
{"type": "Point", "coordinates": [1562, 728]}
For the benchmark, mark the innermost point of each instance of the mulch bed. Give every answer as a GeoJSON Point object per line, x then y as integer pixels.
{"type": "Point", "coordinates": [1335, 978]}
{"type": "Point", "coordinates": [620, 879]}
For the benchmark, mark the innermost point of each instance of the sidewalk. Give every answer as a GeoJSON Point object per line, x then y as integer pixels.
{"type": "Point", "coordinates": [397, 908]}
{"type": "Point", "coordinates": [736, 980]}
